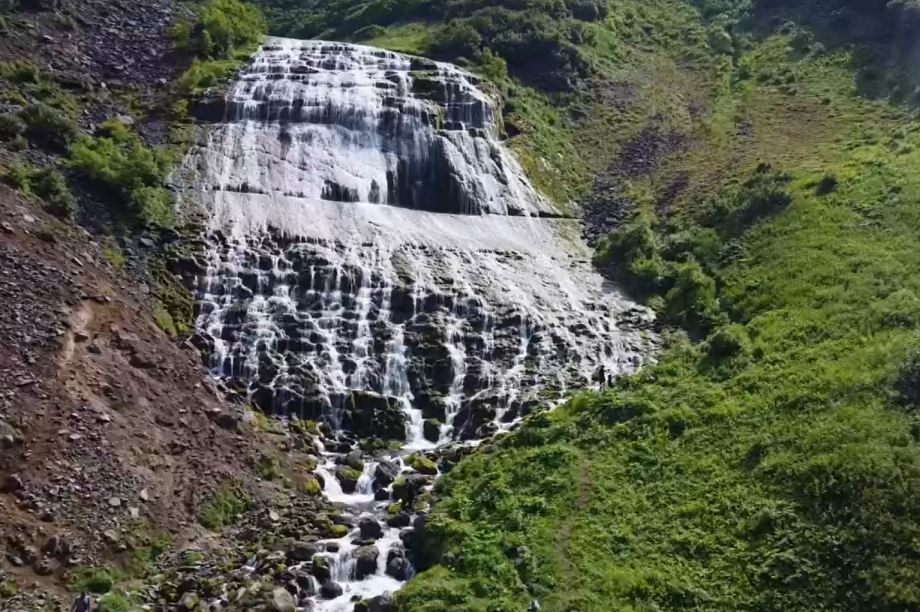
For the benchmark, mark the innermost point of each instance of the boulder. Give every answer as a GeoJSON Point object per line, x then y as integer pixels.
{"type": "Point", "coordinates": [302, 551]}
{"type": "Point", "coordinates": [330, 590]}
{"type": "Point", "coordinates": [370, 415]}
{"type": "Point", "coordinates": [282, 601]}
{"type": "Point", "coordinates": [321, 568]}
{"type": "Point", "coordinates": [422, 464]}
{"type": "Point", "coordinates": [381, 603]}
{"type": "Point", "coordinates": [353, 460]}
{"type": "Point", "coordinates": [347, 477]}
{"type": "Point", "coordinates": [11, 484]}
{"type": "Point", "coordinates": [370, 528]}
{"type": "Point", "coordinates": [227, 421]}
{"type": "Point", "coordinates": [431, 429]}
{"type": "Point", "coordinates": [384, 474]}
{"type": "Point", "coordinates": [366, 562]}
{"type": "Point", "coordinates": [398, 567]}
{"type": "Point", "coordinates": [188, 602]}
{"type": "Point", "coordinates": [45, 567]}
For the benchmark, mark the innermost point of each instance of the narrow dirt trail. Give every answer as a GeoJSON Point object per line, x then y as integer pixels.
{"type": "Point", "coordinates": [564, 535]}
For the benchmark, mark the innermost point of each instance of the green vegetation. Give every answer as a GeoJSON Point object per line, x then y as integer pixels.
{"type": "Point", "coordinates": [113, 602]}
{"type": "Point", "coordinates": [48, 184]}
{"type": "Point", "coordinates": [8, 589]}
{"type": "Point", "coordinates": [111, 251]}
{"type": "Point", "coordinates": [163, 319]}
{"type": "Point", "coordinates": [118, 161]}
{"type": "Point", "coordinates": [192, 557]}
{"type": "Point", "coordinates": [268, 465]}
{"type": "Point", "coordinates": [225, 34]}
{"type": "Point", "coordinates": [311, 486]}
{"type": "Point", "coordinates": [225, 505]}
{"type": "Point", "coordinates": [47, 115]}
{"type": "Point", "coordinates": [98, 580]}
{"type": "Point", "coordinates": [141, 560]}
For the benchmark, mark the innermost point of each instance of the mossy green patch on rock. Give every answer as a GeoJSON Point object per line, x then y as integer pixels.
{"type": "Point", "coordinates": [422, 464]}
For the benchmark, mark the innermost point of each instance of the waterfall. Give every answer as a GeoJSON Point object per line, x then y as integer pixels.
{"type": "Point", "coordinates": [377, 260]}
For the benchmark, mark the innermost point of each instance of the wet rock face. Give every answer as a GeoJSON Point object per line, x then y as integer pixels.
{"type": "Point", "coordinates": [346, 123]}
{"type": "Point", "coordinates": [389, 341]}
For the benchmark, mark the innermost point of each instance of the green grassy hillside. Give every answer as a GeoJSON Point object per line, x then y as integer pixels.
{"type": "Point", "coordinates": [758, 166]}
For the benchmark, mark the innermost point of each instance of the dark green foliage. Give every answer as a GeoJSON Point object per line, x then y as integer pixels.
{"type": "Point", "coordinates": [113, 602]}
{"type": "Point", "coordinates": [11, 126]}
{"type": "Point", "coordinates": [118, 162]}
{"type": "Point", "coordinates": [48, 184]}
{"type": "Point", "coordinates": [458, 39]}
{"type": "Point", "coordinates": [691, 301]}
{"type": "Point", "coordinates": [227, 25]}
{"type": "Point", "coordinates": [225, 505]}
{"type": "Point", "coordinates": [48, 125]}
{"type": "Point", "coordinates": [98, 580]}
{"type": "Point", "coordinates": [222, 28]}
{"type": "Point", "coordinates": [51, 186]}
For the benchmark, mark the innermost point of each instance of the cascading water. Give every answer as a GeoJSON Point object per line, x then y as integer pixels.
{"type": "Point", "coordinates": [377, 261]}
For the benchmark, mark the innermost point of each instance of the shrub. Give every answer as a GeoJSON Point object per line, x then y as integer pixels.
{"type": "Point", "coordinates": [202, 75]}
{"type": "Point", "coordinates": [691, 301]}
{"type": "Point", "coordinates": [181, 36]}
{"type": "Point", "coordinates": [163, 319]}
{"type": "Point", "coordinates": [226, 504]}
{"type": "Point", "coordinates": [268, 466]}
{"type": "Point", "coordinates": [98, 580]}
{"type": "Point", "coordinates": [113, 602]}
{"type": "Point", "coordinates": [458, 38]}
{"type": "Point", "coordinates": [118, 162]}
{"type": "Point", "coordinates": [48, 125]}
{"type": "Point", "coordinates": [20, 71]}
{"type": "Point", "coordinates": [51, 186]}
{"type": "Point", "coordinates": [11, 126]}
{"type": "Point", "coordinates": [727, 342]}
{"type": "Point", "coordinates": [19, 177]}
{"type": "Point", "coordinates": [587, 10]}
{"type": "Point", "coordinates": [226, 25]}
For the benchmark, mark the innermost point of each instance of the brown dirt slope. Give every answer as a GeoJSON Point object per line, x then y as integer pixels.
{"type": "Point", "coordinates": [98, 408]}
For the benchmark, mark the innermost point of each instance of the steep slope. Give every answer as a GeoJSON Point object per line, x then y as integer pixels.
{"type": "Point", "coordinates": [755, 164]}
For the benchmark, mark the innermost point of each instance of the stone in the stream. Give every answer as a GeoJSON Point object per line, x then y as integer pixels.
{"type": "Point", "coordinates": [431, 429]}
{"type": "Point", "coordinates": [302, 551]}
{"type": "Point", "coordinates": [366, 562]}
{"type": "Point", "coordinates": [347, 477]}
{"type": "Point", "coordinates": [384, 474]}
{"type": "Point", "coordinates": [282, 600]}
{"type": "Point", "coordinates": [381, 603]}
{"type": "Point", "coordinates": [321, 568]}
{"type": "Point", "coordinates": [353, 460]}
{"type": "Point", "coordinates": [330, 590]}
{"type": "Point", "coordinates": [398, 567]}
{"type": "Point", "coordinates": [304, 580]}
{"type": "Point", "coordinates": [370, 528]}
{"type": "Point", "coordinates": [422, 464]}
{"type": "Point", "coordinates": [400, 519]}
{"type": "Point", "coordinates": [381, 495]}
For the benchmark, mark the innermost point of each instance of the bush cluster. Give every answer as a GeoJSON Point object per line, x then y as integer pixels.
{"type": "Point", "coordinates": [674, 274]}
{"type": "Point", "coordinates": [117, 161]}
{"type": "Point", "coordinates": [48, 184]}
{"type": "Point", "coordinates": [222, 27]}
